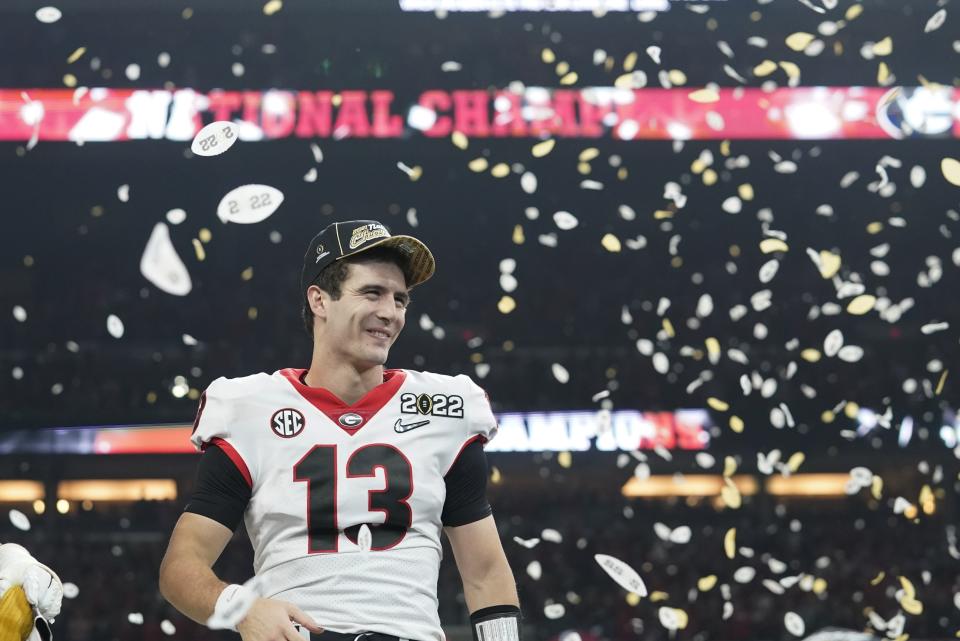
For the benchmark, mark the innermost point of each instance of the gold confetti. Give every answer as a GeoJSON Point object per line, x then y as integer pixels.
{"type": "Point", "coordinates": [884, 47]}
{"type": "Point", "coordinates": [677, 77]}
{"type": "Point", "coordinates": [584, 169]}
{"type": "Point", "coordinates": [713, 346]}
{"type": "Point", "coordinates": [876, 487]}
{"type": "Point", "coordinates": [518, 237]}
{"type": "Point", "coordinates": [736, 424]}
{"type": "Point", "coordinates": [500, 170]}
{"type": "Point", "coordinates": [506, 305]}
{"type": "Point", "coordinates": [198, 248]}
{"type": "Point", "coordinates": [829, 264]}
{"type": "Point", "coordinates": [661, 214]}
{"type": "Point", "coordinates": [877, 579]}
{"type": "Point", "coordinates": [862, 304]}
{"type": "Point", "coordinates": [853, 11]}
{"type": "Point", "coordinates": [810, 355]}
{"type": "Point", "coordinates": [659, 596]}
{"type": "Point", "coordinates": [795, 461]}
{"type": "Point", "coordinates": [705, 584]}
{"type": "Point", "coordinates": [819, 586]}
{"type": "Point", "coordinates": [611, 243]}
{"type": "Point", "coordinates": [633, 598]}
{"type": "Point", "coordinates": [415, 172]}
{"type": "Point", "coordinates": [770, 245]}
{"type": "Point", "coordinates": [204, 235]}
{"type": "Point", "coordinates": [883, 73]}
{"type": "Point", "coordinates": [564, 459]}
{"type": "Point", "coordinates": [668, 327]}
{"type": "Point", "coordinates": [151, 397]}
{"type": "Point", "coordinates": [729, 466]}
{"type": "Point", "coordinates": [548, 56]}
{"type": "Point", "coordinates": [247, 274]}
{"type": "Point", "coordinates": [588, 154]}
{"type": "Point", "coordinates": [745, 191]}
{"type": "Point", "coordinates": [709, 178]}
{"type": "Point", "coordinates": [725, 148]}
{"type": "Point", "coordinates": [272, 7]}
{"type": "Point", "coordinates": [765, 68]}
{"type": "Point", "coordinates": [717, 404]}
{"type": "Point", "coordinates": [827, 416]}
{"type": "Point", "coordinates": [951, 170]}
{"type": "Point", "coordinates": [70, 80]}
{"type": "Point", "coordinates": [704, 96]}
{"type": "Point", "coordinates": [912, 606]}
{"type": "Point", "coordinates": [791, 69]}
{"type": "Point", "coordinates": [697, 166]}
{"type": "Point", "coordinates": [569, 79]}
{"type": "Point", "coordinates": [478, 164]}
{"type": "Point", "coordinates": [252, 313]}
{"type": "Point", "coordinates": [943, 379]}
{"type": "Point", "coordinates": [630, 61]}
{"type": "Point", "coordinates": [76, 55]}
{"type": "Point", "coordinates": [187, 13]}
{"type": "Point", "coordinates": [875, 227]}
{"type": "Point", "coordinates": [459, 140]}
{"type": "Point", "coordinates": [495, 476]}
{"type": "Point", "coordinates": [541, 149]}
{"type": "Point", "coordinates": [798, 41]}
{"type": "Point", "coordinates": [562, 68]}
{"type": "Point", "coordinates": [731, 495]}
{"type": "Point", "coordinates": [622, 173]}
{"type": "Point", "coordinates": [851, 409]}
{"type": "Point", "coordinates": [730, 543]}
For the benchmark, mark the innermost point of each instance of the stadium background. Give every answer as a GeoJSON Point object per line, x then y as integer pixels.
{"type": "Point", "coordinates": [590, 325]}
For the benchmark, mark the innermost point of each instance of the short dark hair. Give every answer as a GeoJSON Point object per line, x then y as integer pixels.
{"type": "Point", "coordinates": [334, 275]}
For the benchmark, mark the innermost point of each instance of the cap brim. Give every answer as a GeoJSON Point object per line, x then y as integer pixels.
{"type": "Point", "coordinates": [422, 263]}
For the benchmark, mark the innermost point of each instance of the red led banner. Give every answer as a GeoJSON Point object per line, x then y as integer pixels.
{"type": "Point", "coordinates": [816, 113]}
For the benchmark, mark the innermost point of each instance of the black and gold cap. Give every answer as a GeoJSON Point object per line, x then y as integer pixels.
{"type": "Point", "coordinates": [352, 237]}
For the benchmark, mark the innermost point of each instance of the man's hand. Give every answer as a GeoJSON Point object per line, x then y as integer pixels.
{"type": "Point", "coordinates": [272, 620]}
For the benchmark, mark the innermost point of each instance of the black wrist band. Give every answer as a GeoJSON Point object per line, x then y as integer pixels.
{"type": "Point", "coordinates": [497, 623]}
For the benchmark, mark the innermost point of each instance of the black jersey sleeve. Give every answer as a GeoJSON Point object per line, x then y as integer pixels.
{"type": "Point", "coordinates": [221, 493]}
{"type": "Point", "coordinates": [466, 482]}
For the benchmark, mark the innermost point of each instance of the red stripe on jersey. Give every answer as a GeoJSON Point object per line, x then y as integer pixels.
{"type": "Point", "coordinates": [328, 402]}
{"type": "Point", "coordinates": [234, 456]}
{"type": "Point", "coordinates": [478, 437]}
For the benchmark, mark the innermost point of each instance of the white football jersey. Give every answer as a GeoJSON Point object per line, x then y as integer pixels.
{"type": "Point", "coordinates": [319, 470]}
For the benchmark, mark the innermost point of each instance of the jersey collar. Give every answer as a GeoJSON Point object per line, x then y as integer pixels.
{"type": "Point", "coordinates": [335, 409]}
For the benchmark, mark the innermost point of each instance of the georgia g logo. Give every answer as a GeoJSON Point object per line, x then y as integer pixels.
{"type": "Point", "coordinates": [287, 423]}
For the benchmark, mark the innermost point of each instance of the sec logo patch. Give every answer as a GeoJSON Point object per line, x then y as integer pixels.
{"type": "Point", "coordinates": [287, 423]}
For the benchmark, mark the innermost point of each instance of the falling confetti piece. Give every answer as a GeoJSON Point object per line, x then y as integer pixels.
{"type": "Point", "coordinates": [478, 165]}
{"type": "Point", "coordinates": [48, 15]}
{"type": "Point", "coordinates": [673, 618]}
{"type": "Point", "coordinates": [861, 304]}
{"type": "Point", "coordinates": [76, 55]}
{"type": "Point", "coordinates": [765, 68]}
{"type": "Point", "coordinates": [832, 343]}
{"type": "Point", "coordinates": [459, 140]}
{"type": "Point", "coordinates": [554, 611]}
{"type": "Point", "coordinates": [943, 379]}
{"type": "Point", "coordinates": [736, 424]}
{"type": "Point", "coordinates": [707, 583]}
{"type": "Point", "coordinates": [951, 170]}
{"type": "Point", "coordinates": [850, 353]}
{"type": "Point", "coordinates": [654, 53]}
{"type": "Point", "coordinates": [611, 243]}
{"type": "Point", "coordinates": [541, 149]}
{"type": "Point", "coordinates": [19, 520]}
{"type": "Point", "coordinates": [884, 47]}
{"type": "Point", "coordinates": [535, 570]}
{"type": "Point", "coordinates": [500, 170]}
{"type": "Point", "coordinates": [272, 7]}
{"type": "Point", "coordinates": [560, 373]}
{"type": "Point", "coordinates": [717, 404]}
{"type": "Point", "coordinates": [565, 221]}
{"type": "Point", "coordinates": [214, 139]}
{"type": "Point", "coordinates": [249, 204]}
{"type": "Point", "coordinates": [176, 216]}
{"type": "Point", "coordinates": [730, 543]}
{"type": "Point", "coordinates": [136, 618]}
{"type": "Point", "coordinates": [794, 624]}
{"type": "Point", "coordinates": [625, 576]}
{"type": "Point", "coordinates": [527, 543]}
{"type": "Point", "coordinates": [936, 21]}
{"type": "Point", "coordinates": [528, 182]}
{"type": "Point", "coordinates": [70, 590]}
{"type": "Point", "coordinates": [19, 313]}
{"type": "Point", "coordinates": [704, 96]}
{"type": "Point", "coordinates": [166, 627]}
{"type": "Point", "coordinates": [364, 538]}
{"type": "Point", "coordinates": [931, 328]}
{"type": "Point", "coordinates": [799, 41]}
{"type": "Point", "coordinates": [123, 193]}
{"type": "Point", "coordinates": [506, 304]}
{"type": "Point", "coordinates": [770, 245]}
{"type": "Point", "coordinates": [162, 266]}
{"type": "Point", "coordinates": [114, 326]}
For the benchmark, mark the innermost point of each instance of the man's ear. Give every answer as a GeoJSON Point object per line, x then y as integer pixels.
{"type": "Point", "coordinates": [318, 300]}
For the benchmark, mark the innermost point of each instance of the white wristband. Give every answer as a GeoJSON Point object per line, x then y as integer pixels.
{"type": "Point", "coordinates": [231, 607]}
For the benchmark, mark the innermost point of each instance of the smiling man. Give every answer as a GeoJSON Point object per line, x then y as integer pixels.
{"type": "Point", "coordinates": [345, 473]}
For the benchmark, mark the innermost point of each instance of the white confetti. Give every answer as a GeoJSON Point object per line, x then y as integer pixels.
{"type": "Point", "coordinates": [70, 590]}
{"type": "Point", "coordinates": [930, 328]}
{"type": "Point", "coordinates": [310, 176]}
{"type": "Point", "coordinates": [162, 266]}
{"type": "Point", "coordinates": [744, 574]}
{"type": "Point", "coordinates": [850, 353]}
{"type": "Point", "coordinates": [528, 181]}
{"type": "Point", "coordinates": [732, 205]}
{"type": "Point", "coordinates": [669, 618]}
{"type": "Point", "coordinates": [554, 611]}
{"type": "Point", "coordinates": [626, 212]}
{"type": "Point", "coordinates": [176, 216]}
{"type": "Point", "coordinates": [168, 628]}
{"type": "Point", "coordinates": [936, 21]}
{"type": "Point", "coordinates": [123, 193]}
{"type": "Point", "coordinates": [769, 270]}
{"type": "Point", "coordinates": [918, 176]}
{"type": "Point", "coordinates": [661, 363]}
{"type": "Point", "coordinates": [833, 343]}
{"type": "Point", "coordinates": [564, 220]}
{"type": "Point", "coordinates": [794, 624]}
{"type": "Point", "coordinates": [114, 326]}
{"type": "Point", "coordinates": [132, 71]}
{"type": "Point", "coordinates": [551, 535]}
{"type": "Point", "coordinates": [625, 576]}
{"type": "Point", "coordinates": [188, 340]}
{"type": "Point", "coordinates": [704, 306]}
{"type": "Point", "coordinates": [48, 15]}
{"type": "Point", "coordinates": [654, 52]}
{"type": "Point", "coordinates": [508, 282]}
{"type": "Point", "coordinates": [527, 543]}
{"type": "Point", "coordinates": [163, 59]}
{"type": "Point", "coordinates": [136, 618]}
{"type": "Point", "coordinates": [451, 65]}
{"type": "Point", "coordinates": [482, 369]}
{"type": "Point", "coordinates": [19, 313]}
{"type": "Point", "coordinates": [19, 520]}
{"type": "Point", "coordinates": [560, 372]}
{"type": "Point", "coordinates": [534, 570]}
{"type": "Point", "coordinates": [421, 118]}
{"type": "Point", "coordinates": [215, 138]}
{"type": "Point", "coordinates": [364, 538]}
{"type": "Point", "coordinates": [17, 373]}
{"type": "Point", "coordinates": [249, 204]}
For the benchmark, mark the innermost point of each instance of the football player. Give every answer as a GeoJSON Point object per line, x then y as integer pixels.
{"type": "Point", "coordinates": [345, 473]}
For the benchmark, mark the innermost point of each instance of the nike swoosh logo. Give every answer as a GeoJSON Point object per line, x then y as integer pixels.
{"type": "Point", "coordinates": [400, 427]}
